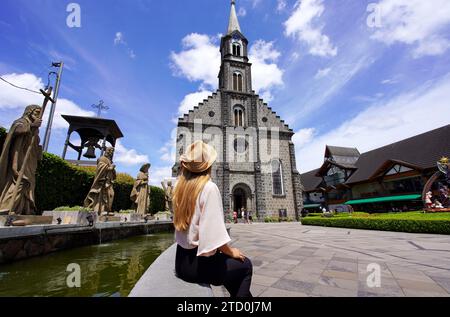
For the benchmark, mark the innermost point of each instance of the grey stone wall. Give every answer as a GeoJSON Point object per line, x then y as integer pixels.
{"type": "Point", "coordinates": [273, 120]}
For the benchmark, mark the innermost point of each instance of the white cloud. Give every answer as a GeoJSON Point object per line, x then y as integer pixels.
{"type": "Point", "coordinates": [321, 73]}
{"type": "Point", "coordinates": [13, 98]}
{"type": "Point", "coordinates": [158, 174]}
{"type": "Point", "coordinates": [119, 39]}
{"type": "Point", "coordinates": [281, 5]}
{"type": "Point", "coordinates": [128, 157]}
{"type": "Point", "coordinates": [256, 3]}
{"type": "Point", "coordinates": [242, 12]}
{"type": "Point", "coordinates": [406, 115]}
{"type": "Point", "coordinates": [304, 136]}
{"type": "Point", "coordinates": [389, 81]}
{"type": "Point", "coordinates": [199, 60]}
{"type": "Point", "coordinates": [265, 72]}
{"type": "Point", "coordinates": [415, 22]}
{"type": "Point", "coordinates": [168, 150]}
{"type": "Point", "coordinates": [303, 25]}
{"type": "Point", "coordinates": [192, 100]}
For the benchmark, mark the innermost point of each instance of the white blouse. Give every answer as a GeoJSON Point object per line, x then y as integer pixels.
{"type": "Point", "coordinates": [207, 230]}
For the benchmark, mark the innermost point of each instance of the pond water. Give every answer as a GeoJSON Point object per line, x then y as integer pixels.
{"type": "Point", "coordinates": [106, 270]}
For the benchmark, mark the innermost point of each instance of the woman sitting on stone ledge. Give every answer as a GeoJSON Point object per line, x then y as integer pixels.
{"type": "Point", "coordinates": [203, 253]}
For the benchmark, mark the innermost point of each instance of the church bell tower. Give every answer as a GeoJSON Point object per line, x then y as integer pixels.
{"type": "Point", "coordinates": [235, 71]}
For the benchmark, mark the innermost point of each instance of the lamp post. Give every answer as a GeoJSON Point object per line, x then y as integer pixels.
{"type": "Point", "coordinates": [48, 130]}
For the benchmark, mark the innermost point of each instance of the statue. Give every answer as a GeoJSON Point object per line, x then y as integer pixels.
{"type": "Point", "coordinates": [18, 163]}
{"type": "Point", "coordinates": [444, 167]}
{"type": "Point", "coordinates": [101, 195]}
{"type": "Point", "coordinates": [140, 195]}
{"type": "Point", "coordinates": [168, 191]}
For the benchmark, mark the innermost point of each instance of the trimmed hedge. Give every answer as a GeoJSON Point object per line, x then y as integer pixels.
{"type": "Point", "coordinates": [396, 225]}
{"type": "Point", "coordinates": [59, 183]}
{"type": "Point", "coordinates": [157, 199]}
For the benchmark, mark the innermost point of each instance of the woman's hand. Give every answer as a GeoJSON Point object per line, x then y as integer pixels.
{"type": "Point", "coordinates": [237, 254]}
{"type": "Point", "coordinates": [232, 252]}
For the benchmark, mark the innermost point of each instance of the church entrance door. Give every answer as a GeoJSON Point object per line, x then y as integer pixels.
{"type": "Point", "coordinates": [240, 200]}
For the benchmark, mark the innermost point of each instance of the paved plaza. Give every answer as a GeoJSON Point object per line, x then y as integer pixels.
{"type": "Point", "coordinates": [291, 260]}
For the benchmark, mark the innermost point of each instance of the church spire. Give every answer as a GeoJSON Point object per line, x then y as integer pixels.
{"type": "Point", "coordinates": [233, 25]}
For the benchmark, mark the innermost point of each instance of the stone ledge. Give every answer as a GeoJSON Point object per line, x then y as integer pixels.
{"type": "Point", "coordinates": [160, 280]}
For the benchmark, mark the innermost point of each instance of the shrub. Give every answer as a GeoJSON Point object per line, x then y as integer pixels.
{"type": "Point", "coordinates": [397, 225]}
{"type": "Point", "coordinates": [59, 183]}
{"type": "Point", "coordinates": [271, 219]}
{"type": "Point", "coordinates": [67, 208]}
{"type": "Point", "coordinates": [157, 200]}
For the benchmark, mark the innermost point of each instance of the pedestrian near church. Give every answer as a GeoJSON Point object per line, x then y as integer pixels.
{"type": "Point", "coordinates": [203, 252]}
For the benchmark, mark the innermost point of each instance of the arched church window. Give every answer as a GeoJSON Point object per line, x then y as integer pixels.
{"type": "Point", "coordinates": [277, 178]}
{"type": "Point", "coordinates": [236, 49]}
{"type": "Point", "coordinates": [237, 81]}
{"type": "Point", "coordinates": [239, 116]}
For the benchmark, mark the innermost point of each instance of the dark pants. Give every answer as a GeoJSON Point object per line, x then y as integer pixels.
{"type": "Point", "coordinates": [219, 269]}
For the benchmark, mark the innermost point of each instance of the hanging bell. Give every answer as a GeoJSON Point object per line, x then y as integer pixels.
{"type": "Point", "coordinates": [90, 153]}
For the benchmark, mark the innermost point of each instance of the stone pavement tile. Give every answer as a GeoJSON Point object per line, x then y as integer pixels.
{"type": "Point", "coordinates": [443, 281]}
{"type": "Point", "coordinates": [417, 293]}
{"type": "Point", "coordinates": [330, 291]}
{"type": "Point", "coordinates": [278, 266]}
{"type": "Point", "coordinates": [343, 266]}
{"type": "Point", "coordinates": [308, 269]}
{"type": "Point", "coordinates": [363, 293]}
{"type": "Point", "coordinates": [302, 276]}
{"type": "Point", "coordinates": [264, 280]}
{"type": "Point", "coordinates": [346, 259]}
{"type": "Point", "coordinates": [326, 253]}
{"type": "Point", "coordinates": [271, 255]}
{"type": "Point", "coordinates": [340, 274]}
{"type": "Point", "coordinates": [386, 289]}
{"type": "Point", "coordinates": [420, 286]}
{"type": "Point", "coordinates": [288, 262]}
{"type": "Point", "coordinates": [257, 262]}
{"type": "Point", "coordinates": [294, 286]}
{"type": "Point", "coordinates": [340, 283]}
{"type": "Point", "coordinates": [412, 276]}
{"type": "Point", "coordinates": [271, 273]}
{"type": "Point", "coordinates": [275, 292]}
{"type": "Point", "coordinates": [299, 258]}
{"type": "Point", "coordinates": [257, 290]}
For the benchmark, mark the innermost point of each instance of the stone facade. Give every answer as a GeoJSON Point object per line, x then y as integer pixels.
{"type": "Point", "coordinates": [249, 136]}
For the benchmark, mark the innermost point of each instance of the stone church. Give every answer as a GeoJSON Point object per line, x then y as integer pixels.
{"type": "Point", "coordinates": [256, 167]}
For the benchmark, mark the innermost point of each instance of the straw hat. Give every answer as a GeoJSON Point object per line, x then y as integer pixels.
{"type": "Point", "coordinates": [199, 157]}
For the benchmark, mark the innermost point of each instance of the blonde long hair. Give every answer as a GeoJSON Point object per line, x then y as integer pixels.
{"type": "Point", "coordinates": [189, 186]}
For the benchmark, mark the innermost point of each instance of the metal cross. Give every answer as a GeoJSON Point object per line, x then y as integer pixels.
{"type": "Point", "coordinates": [101, 106]}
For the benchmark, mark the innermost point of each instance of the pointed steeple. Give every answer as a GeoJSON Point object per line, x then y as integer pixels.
{"type": "Point", "coordinates": [233, 25]}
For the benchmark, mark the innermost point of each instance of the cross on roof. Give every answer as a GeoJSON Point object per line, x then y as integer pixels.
{"type": "Point", "coordinates": [101, 106]}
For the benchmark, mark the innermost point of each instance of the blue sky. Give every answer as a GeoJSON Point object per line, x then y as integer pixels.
{"type": "Point", "coordinates": [338, 73]}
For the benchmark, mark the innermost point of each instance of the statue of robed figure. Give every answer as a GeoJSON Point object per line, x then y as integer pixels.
{"type": "Point", "coordinates": [140, 195]}
{"type": "Point", "coordinates": [168, 191]}
{"type": "Point", "coordinates": [101, 195]}
{"type": "Point", "coordinates": [19, 160]}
